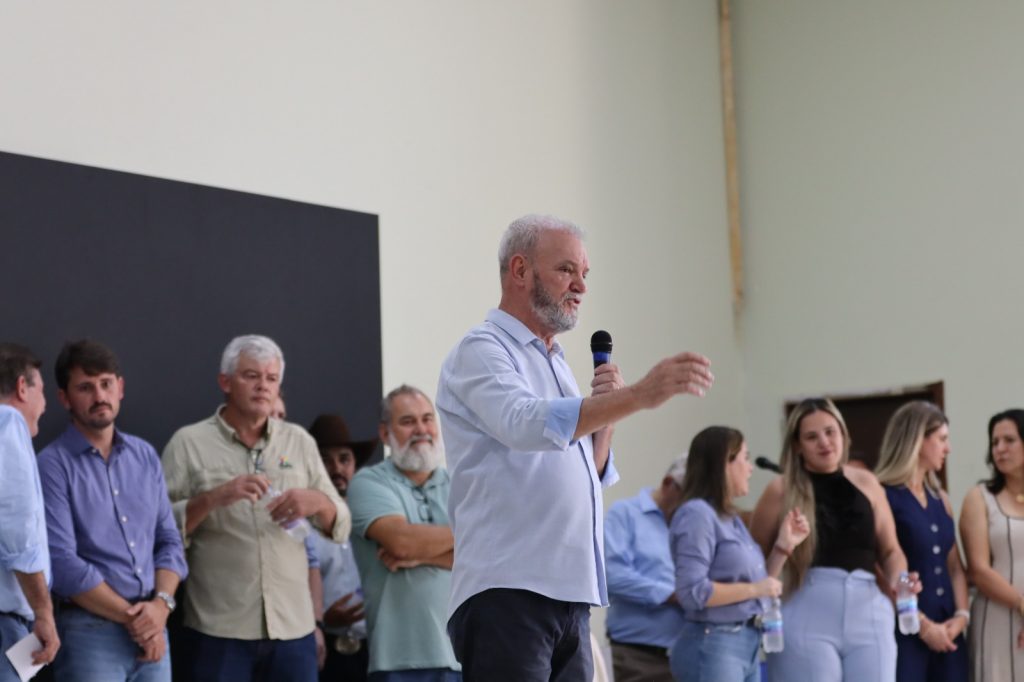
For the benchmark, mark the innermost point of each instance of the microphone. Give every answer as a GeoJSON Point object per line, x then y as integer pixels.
{"type": "Point", "coordinates": [601, 347]}
{"type": "Point", "coordinates": [763, 462]}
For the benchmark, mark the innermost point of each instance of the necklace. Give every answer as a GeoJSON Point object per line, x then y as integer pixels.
{"type": "Point", "coordinates": [1019, 497]}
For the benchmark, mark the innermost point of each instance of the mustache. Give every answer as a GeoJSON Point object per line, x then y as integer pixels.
{"type": "Point", "coordinates": [97, 406]}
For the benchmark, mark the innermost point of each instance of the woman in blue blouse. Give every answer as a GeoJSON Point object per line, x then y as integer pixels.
{"type": "Point", "coordinates": [721, 576]}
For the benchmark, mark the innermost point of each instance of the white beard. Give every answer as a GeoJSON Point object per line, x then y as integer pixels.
{"type": "Point", "coordinates": [417, 455]}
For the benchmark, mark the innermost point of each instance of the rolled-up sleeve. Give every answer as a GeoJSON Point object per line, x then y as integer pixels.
{"type": "Point", "coordinates": [168, 547]}
{"type": "Point", "coordinates": [178, 482]}
{"type": "Point", "coordinates": [507, 408]}
{"type": "Point", "coordinates": [319, 480]}
{"type": "Point", "coordinates": [693, 539]}
{"type": "Point", "coordinates": [21, 546]}
{"type": "Point", "coordinates": [71, 574]}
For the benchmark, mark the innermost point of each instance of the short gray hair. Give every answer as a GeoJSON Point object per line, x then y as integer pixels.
{"type": "Point", "coordinates": [404, 389]}
{"type": "Point", "coordinates": [521, 236]}
{"type": "Point", "coordinates": [258, 347]}
{"type": "Point", "coordinates": [677, 470]}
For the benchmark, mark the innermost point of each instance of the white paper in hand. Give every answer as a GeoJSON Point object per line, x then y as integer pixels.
{"type": "Point", "coordinates": [20, 656]}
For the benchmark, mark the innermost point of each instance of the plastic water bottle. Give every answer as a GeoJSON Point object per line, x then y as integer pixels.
{"type": "Point", "coordinates": [297, 529]}
{"type": "Point", "coordinates": [771, 625]}
{"type": "Point", "coordinates": [906, 606]}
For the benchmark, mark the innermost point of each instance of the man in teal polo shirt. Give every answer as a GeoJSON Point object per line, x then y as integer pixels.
{"type": "Point", "coordinates": [404, 547]}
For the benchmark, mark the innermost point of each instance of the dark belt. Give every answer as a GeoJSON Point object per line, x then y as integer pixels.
{"type": "Point", "coordinates": [18, 617]}
{"type": "Point", "coordinates": [645, 648]}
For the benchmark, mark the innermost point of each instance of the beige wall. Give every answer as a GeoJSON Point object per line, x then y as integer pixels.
{"type": "Point", "coordinates": [881, 155]}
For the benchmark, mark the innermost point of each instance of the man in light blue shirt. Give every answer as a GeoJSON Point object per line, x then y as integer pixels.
{"type": "Point", "coordinates": [644, 617]}
{"type": "Point", "coordinates": [25, 604]}
{"type": "Point", "coordinates": [528, 458]}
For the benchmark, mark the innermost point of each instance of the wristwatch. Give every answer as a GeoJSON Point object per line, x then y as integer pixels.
{"type": "Point", "coordinates": [168, 599]}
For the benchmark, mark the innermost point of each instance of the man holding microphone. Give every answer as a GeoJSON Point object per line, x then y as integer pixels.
{"type": "Point", "coordinates": [528, 458]}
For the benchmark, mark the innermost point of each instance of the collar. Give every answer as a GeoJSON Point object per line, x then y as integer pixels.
{"type": "Point", "coordinates": [514, 327]}
{"type": "Point", "coordinates": [647, 504]}
{"type": "Point", "coordinates": [76, 443]}
{"type": "Point", "coordinates": [231, 434]}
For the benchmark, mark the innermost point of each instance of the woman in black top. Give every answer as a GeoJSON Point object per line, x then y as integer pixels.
{"type": "Point", "coordinates": [838, 625]}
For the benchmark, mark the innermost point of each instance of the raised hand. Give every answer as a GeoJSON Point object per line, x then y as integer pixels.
{"type": "Point", "coordinates": [682, 373]}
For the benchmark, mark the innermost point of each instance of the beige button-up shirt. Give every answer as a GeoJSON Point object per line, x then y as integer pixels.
{"type": "Point", "coordinates": [248, 579]}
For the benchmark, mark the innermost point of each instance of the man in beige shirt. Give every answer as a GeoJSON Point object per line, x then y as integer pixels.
{"type": "Point", "coordinates": [248, 615]}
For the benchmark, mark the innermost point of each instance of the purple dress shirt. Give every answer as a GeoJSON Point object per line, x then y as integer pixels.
{"type": "Point", "coordinates": [108, 521]}
{"type": "Point", "coordinates": [710, 548]}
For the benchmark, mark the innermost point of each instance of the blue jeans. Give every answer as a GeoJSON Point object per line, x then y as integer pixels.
{"type": "Point", "coordinates": [838, 626]}
{"type": "Point", "coordinates": [431, 675]}
{"type": "Point", "coordinates": [94, 648]}
{"type": "Point", "coordinates": [706, 652]}
{"type": "Point", "coordinates": [13, 629]}
{"type": "Point", "coordinates": [223, 659]}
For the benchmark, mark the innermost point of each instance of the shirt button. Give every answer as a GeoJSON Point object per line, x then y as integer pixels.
{"type": "Point", "coordinates": [138, 571]}
{"type": "Point", "coordinates": [124, 519]}
{"type": "Point", "coordinates": [935, 528]}
{"type": "Point", "coordinates": [936, 549]}
{"type": "Point", "coordinates": [940, 591]}
{"type": "Point", "coordinates": [938, 570]}
{"type": "Point", "coordinates": [115, 491]}
{"type": "Point", "coordinates": [131, 543]}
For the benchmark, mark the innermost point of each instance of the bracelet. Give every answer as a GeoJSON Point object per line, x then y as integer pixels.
{"type": "Point", "coordinates": [787, 552]}
{"type": "Point", "coordinates": [965, 614]}
{"type": "Point", "coordinates": [1020, 606]}
{"type": "Point", "coordinates": [320, 624]}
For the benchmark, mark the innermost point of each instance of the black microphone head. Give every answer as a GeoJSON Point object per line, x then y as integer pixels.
{"type": "Point", "coordinates": [763, 462]}
{"type": "Point", "coordinates": [601, 342]}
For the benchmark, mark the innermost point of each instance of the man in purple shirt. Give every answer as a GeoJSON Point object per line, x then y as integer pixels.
{"type": "Point", "coordinates": [117, 555]}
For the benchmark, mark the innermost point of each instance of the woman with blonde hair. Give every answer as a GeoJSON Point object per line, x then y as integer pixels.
{"type": "Point", "coordinates": [914, 449]}
{"type": "Point", "coordinates": [722, 578]}
{"type": "Point", "coordinates": [992, 528]}
{"type": "Point", "coordinates": [838, 625]}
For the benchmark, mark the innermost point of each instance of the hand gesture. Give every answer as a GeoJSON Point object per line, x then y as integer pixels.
{"type": "Point", "coordinates": [46, 631]}
{"type": "Point", "coordinates": [937, 638]}
{"type": "Point", "coordinates": [295, 504]}
{"type": "Point", "coordinates": [246, 487]}
{"type": "Point", "coordinates": [768, 587]}
{"type": "Point", "coordinates": [153, 649]}
{"type": "Point", "coordinates": [793, 531]}
{"type": "Point", "coordinates": [148, 619]}
{"type": "Point", "coordinates": [683, 373]}
{"type": "Point", "coordinates": [343, 612]}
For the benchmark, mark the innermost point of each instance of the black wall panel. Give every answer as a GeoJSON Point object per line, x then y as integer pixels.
{"type": "Point", "coordinates": [166, 273]}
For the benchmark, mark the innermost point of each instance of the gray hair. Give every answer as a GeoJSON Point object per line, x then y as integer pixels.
{"type": "Point", "coordinates": [677, 469]}
{"type": "Point", "coordinates": [521, 236]}
{"type": "Point", "coordinates": [404, 389]}
{"type": "Point", "coordinates": [258, 347]}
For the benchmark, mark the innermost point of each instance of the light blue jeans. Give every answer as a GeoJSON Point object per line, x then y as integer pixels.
{"type": "Point", "coordinates": [838, 626]}
{"type": "Point", "coordinates": [706, 652]}
{"type": "Point", "coordinates": [94, 649]}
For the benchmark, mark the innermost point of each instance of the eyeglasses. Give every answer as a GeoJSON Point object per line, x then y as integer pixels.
{"type": "Point", "coordinates": [426, 514]}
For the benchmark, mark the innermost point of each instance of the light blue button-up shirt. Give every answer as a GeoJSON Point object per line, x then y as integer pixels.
{"type": "Point", "coordinates": [641, 574]}
{"type": "Point", "coordinates": [23, 546]}
{"type": "Point", "coordinates": [525, 502]}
